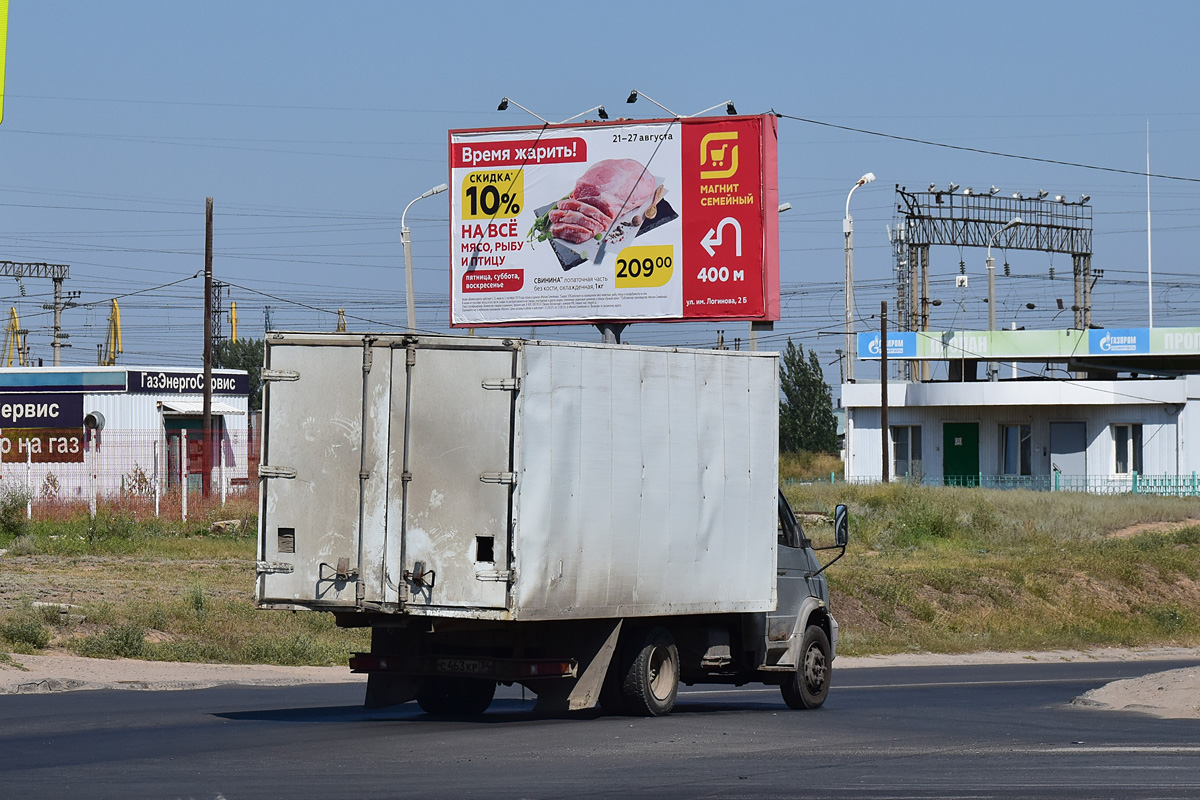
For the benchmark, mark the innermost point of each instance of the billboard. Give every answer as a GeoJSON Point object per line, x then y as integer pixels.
{"type": "Point", "coordinates": [655, 220]}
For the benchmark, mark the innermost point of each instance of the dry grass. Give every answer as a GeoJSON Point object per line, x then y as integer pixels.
{"type": "Point", "coordinates": [152, 588]}
{"type": "Point", "coordinates": [959, 570]}
{"type": "Point", "coordinates": [807, 466]}
{"type": "Point", "coordinates": [934, 569]}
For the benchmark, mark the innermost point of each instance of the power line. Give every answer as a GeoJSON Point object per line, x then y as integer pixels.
{"type": "Point", "coordinates": [963, 148]}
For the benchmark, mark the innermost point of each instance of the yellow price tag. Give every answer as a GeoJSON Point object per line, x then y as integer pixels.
{"type": "Point", "coordinates": [645, 267]}
{"type": "Point", "coordinates": [493, 193]}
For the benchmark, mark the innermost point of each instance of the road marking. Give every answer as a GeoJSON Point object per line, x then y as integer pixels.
{"type": "Point", "coordinates": [1114, 748]}
{"type": "Point", "coordinates": [932, 685]}
{"type": "Point", "coordinates": [943, 684]}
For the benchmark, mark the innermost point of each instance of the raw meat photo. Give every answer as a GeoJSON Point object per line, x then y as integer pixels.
{"type": "Point", "coordinates": [608, 190]}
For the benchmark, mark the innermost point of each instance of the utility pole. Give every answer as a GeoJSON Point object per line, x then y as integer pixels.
{"type": "Point", "coordinates": [883, 387]}
{"type": "Point", "coordinates": [206, 474]}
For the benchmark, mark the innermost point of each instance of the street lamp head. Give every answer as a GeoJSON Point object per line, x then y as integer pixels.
{"type": "Point", "coordinates": [729, 109]}
{"type": "Point", "coordinates": [870, 176]}
{"type": "Point", "coordinates": [1018, 196]}
{"type": "Point", "coordinates": [968, 191]}
{"type": "Point", "coordinates": [603, 114]}
{"type": "Point", "coordinates": [503, 104]}
{"type": "Point", "coordinates": [632, 97]}
{"type": "Point", "coordinates": [1083, 198]}
{"type": "Point", "coordinates": [993, 190]}
{"type": "Point", "coordinates": [1058, 198]}
{"type": "Point", "coordinates": [932, 186]}
{"type": "Point", "coordinates": [1042, 194]}
{"type": "Point", "coordinates": [785, 207]}
{"type": "Point", "coordinates": [953, 187]}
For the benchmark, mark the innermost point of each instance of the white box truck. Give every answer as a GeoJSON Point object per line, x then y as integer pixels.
{"type": "Point", "coordinates": [595, 522]}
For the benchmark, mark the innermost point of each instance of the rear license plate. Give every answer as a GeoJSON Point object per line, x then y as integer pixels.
{"type": "Point", "coordinates": [467, 666]}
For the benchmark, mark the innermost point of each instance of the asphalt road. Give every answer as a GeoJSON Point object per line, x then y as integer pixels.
{"type": "Point", "coordinates": [977, 731]}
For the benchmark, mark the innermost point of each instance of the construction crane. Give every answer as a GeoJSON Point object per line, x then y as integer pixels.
{"type": "Point", "coordinates": [113, 346]}
{"type": "Point", "coordinates": [14, 340]}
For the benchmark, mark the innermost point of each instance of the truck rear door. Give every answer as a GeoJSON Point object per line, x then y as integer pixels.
{"type": "Point", "coordinates": [452, 452]}
{"type": "Point", "coordinates": [317, 447]}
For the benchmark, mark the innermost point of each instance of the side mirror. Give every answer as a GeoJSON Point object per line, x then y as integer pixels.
{"type": "Point", "coordinates": [841, 525]}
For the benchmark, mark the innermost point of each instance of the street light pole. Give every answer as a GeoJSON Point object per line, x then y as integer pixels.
{"type": "Point", "coordinates": [848, 231]}
{"type": "Point", "coordinates": [408, 273]}
{"type": "Point", "coordinates": [993, 369]}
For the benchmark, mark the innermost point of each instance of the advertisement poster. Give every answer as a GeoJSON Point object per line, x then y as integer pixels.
{"type": "Point", "coordinates": [661, 220]}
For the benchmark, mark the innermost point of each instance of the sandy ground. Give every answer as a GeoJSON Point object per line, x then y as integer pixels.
{"type": "Point", "coordinates": [1172, 694]}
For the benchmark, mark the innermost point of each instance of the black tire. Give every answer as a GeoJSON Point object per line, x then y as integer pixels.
{"type": "Point", "coordinates": [808, 686]}
{"type": "Point", "coordinates": [456, 696]}
{"type": "Point", "coordinates": [652, 678]}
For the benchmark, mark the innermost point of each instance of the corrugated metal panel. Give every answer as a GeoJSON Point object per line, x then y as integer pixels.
{"type": "Point", "coordinates": [647, 482]}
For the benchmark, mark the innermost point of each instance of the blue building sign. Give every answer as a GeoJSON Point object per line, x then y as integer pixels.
{"type": "Point", "coordinates": [1119, 341]}
{"type": "Point", "coordinates": [901, 344]}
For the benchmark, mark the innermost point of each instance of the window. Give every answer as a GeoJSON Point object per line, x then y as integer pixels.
{"type": "Point", "coordinates": [1016, 450]}
{"type": "Point", "coordinates": [1127, 441]}
{"type": "Point", "coordinates": [906, 445]}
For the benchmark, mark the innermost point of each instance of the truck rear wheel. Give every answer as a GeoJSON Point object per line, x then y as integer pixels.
{"type": "Point", "coordinates": [808, 686]}
{"type": "Point", "coordinates": [652, 677]}
{"type": "Point", "coordinates": [459, 696]}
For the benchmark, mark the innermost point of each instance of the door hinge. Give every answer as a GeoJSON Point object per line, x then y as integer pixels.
{"type": "Point", "coordinates": [274, 568]}
{"type": "Point", "coordinates": [266, 471]}
{"type": "Point", "coordinates": [503, 384]}
{"type": "Point", "coordinates": [279, 375]}
{"type": "Point", "coordinates": [499, 477]}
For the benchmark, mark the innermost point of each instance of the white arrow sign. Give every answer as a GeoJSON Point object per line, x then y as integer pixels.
{"type": "Point", "coordinates": [713, 237]}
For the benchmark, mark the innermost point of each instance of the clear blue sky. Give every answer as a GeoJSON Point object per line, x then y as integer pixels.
{"type": "Point", "coordinates": [313, 124]}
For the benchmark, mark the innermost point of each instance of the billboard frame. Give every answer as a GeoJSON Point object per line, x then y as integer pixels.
{"type": "Point", "coordinates": [766, 190]}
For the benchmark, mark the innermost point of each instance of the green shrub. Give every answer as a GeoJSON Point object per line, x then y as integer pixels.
{"type": "Point", "coordinates": [26, 632]}
{"type": "Point", "coordinates": [120, 641]}
{"type": "Point", "coordinates": [197, 600]}
{"type": "Point", "coordinates": [13, 502]}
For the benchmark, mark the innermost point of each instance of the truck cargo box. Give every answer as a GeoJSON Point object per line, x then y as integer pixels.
{"type": "Point", "coordinates": [499, 478]}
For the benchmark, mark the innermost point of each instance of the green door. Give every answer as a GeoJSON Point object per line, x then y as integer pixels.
{"type": "Point", "coordinates": [960, 453]}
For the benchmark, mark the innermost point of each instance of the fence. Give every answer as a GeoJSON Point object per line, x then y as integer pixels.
{"type": "Point", "coordinates": [1133, 483]}
{"type": "Point", "coordinates": [158, 470]}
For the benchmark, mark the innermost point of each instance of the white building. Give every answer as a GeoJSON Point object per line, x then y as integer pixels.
{"type": "Point", "coordinates": [1106, 424]}
{"type": "Point", "coordinates": [68, 431]}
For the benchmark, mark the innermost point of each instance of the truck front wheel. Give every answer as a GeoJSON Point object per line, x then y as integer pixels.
{"type": "Point", "coordinates": [652, 677]}
{"type": "Point", "coordinates": [458, 696]}
{"type": "Point", "coordinates": [808, 686]}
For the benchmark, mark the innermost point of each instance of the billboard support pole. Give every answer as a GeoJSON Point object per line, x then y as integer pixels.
{"type": "Point", "coordinates": [610, 332]}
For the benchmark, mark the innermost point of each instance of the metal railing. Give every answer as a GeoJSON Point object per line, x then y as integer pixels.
{"type": "Point", "coordinates": [1183, 485]}
{"type": "Point", "coordinates": [156, 469]}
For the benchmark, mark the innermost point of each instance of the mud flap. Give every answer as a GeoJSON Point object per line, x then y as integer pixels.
{"type": "Point", "coordinates": [390, 689]}
{"type": "Point", "coordinates": [578, 694]}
